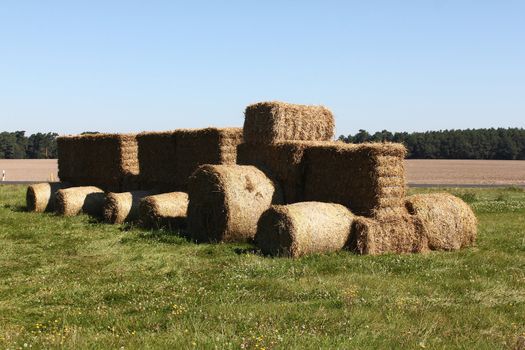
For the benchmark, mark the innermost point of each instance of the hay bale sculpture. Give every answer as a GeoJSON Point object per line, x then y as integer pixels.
{"type": "Point", "coordinates": [281, 181]}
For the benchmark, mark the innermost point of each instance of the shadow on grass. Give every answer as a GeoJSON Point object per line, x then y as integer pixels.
{"type": "Point", "coordinates": [160, 236]}
{"type": "Point", "coordinates": [245, 251]}
{"type": "Point", "coordinates": [16, 208]}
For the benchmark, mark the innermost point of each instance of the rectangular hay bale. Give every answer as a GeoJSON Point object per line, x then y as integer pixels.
{"type": "Point", "coordinates": [157, 154]}
{"type": "Point", "coordinates": [108, 161]}
{"type": "Point", "coordinates": [271, 122]}
{"type": "Point", "coordinates": [282, 162]}
{"type": "Point", "coordinates": [367, 178]}
{"type": "Point", "coordinates": [196, 147]}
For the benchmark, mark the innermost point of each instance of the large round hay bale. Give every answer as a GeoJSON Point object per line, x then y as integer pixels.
{"type": "Point", "coordinates": [123, 207]}
{"type": "Point", "coordinates": [303, 228]}
{"type": "Point", "coordinates": [401, 234]}
{"type": "Point", "coordinates": [75, 200]}
{"type": "Point", "coordinates": [226, 202]}
{"type": "Point", "coordinates": [41, 197]}
{"type": "Point", "coordinates": [449, 222]}
{"type": "Point", "coordinates": [166, 210]}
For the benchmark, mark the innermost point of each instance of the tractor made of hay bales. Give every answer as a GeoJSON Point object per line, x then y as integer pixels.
{"type": "Point", "coordinates": [280, 182]}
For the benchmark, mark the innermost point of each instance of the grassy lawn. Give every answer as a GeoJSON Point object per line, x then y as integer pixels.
{"type": "Point", "coordinates": [75, 283]}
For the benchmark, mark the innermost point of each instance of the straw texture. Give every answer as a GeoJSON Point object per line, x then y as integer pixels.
{"type": "Point", "coordinates": [75, 200]}
{"type": "Point", "coordinates": [226, 202]}
{"type": "Point", "coordinates": [449, 222]}
{"type": "Point", "coordinates": [166, 210]}
{"type": "Point", "coordinates": [123, 207]}
{"type": "Point", "coordinates": [271, 122]}
{"type": "Point", "coordinates": [303, 228]}
{"type": "Point", "coordinates": [41, 197]}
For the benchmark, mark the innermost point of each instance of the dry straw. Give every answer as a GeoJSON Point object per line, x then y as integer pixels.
{"type": "Point", "coordinates": [303, 228]}
{"type": "Point", "coordinates": [123, 207]}
{"type": "Point", "coordinates": [270, 122]}
{"type": "Point", "coordinates": [157, 159]}
{"type": "Point", "coordinates": [282, 162]}
{"type": "Point", "coordinates": [75, 200]}
{"type": "Point", "coordinates": [196, 147]}
{"type": "Point", "coordinates": [226, 202]}
{"type": "Point", "coordinates": [449, 222]}
{"type": "Point", "coordinates": [166, 210]}
{"type": "Point", "coordinates": [167, 159]}
{"type": "Point", "coordinates": [41, 197]}
{"type": "Point", "coordinates": [109, 161]}
{"type": "Point", "coordinates": [367, 178]}
{"type": "Point", "coordinates": [402, 234]}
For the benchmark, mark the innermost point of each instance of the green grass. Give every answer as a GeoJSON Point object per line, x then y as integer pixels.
{"type": "Point", "coordinates": [75, 283]}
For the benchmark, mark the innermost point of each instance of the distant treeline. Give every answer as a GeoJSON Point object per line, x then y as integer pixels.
{"type": "Point", "coordinates": [453, 144]}
{"type": "Point", "coordinates": [445, 144]}
{"type": "Point", "coordinates": [16, 145]}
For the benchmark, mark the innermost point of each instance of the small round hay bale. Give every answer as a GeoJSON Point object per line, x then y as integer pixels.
{"type": "Point", "coordinates": [166, 210]}
{"type": "Point", "coordinates": [41, 197]}
{"type": "Point", "coordinates": [449, 222]}
{"type": "Point", "coordinates": [123, 207]}
{"type": "Point", "coordinates": [226, 202]}
{"type": "Point", "coordinates": [75, 200]}
{"type": "Point", "coordinates": [402, 234]}
{"type": "Point", "coordinates": [303, 228]}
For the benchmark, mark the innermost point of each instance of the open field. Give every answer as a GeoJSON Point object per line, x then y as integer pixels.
{"type": "Point", "coordinates": [480, 172]}
{"type": "Point", "coordinates": [76, 283]}
{"type": "Point", "coordinates": [29, 169]}
{"type": "Point", "coordinates": [420, 171]}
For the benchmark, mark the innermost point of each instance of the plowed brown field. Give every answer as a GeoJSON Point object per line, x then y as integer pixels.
{"type": "Point", "coordinates": [420, 171]}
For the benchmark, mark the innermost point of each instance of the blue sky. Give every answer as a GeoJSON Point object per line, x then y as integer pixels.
{"type": "Point", "coordinates": [123, 66]}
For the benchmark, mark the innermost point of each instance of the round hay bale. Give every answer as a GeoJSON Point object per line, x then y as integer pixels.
{"type": "Point", "coordinates": [123, 207]}
{"type": "Point", "coordinates": [41, 197]}
{"type": "Point", "coordinates": [167, 210]}
{"type": "Point", "coordinates": [75, 200]}
{"type": "Point", "coordinates": [303, 228]}
{"type": "Point", "coordinates": [226, 202]}
{"type": "Point", "coordinates": [449, 222]}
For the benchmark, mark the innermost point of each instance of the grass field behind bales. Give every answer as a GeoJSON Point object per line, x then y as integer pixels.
{"type": "Point", "coordinates": [76, 283]}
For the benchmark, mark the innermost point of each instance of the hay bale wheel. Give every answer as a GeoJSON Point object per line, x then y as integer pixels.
{"type": "Point", "coordinates": [271, 122]}
{"type": "Point", "coordinates": [303, 228]}
{"type": "Point", "coordinates": [75, 200]}
{"type": "Point", "coordinates": [41, 197]}
{"type": "Point", "coordinates": [449, 222]}
{"type": "Point", "coordinates": [402, 234]}
{"type": "Point", "coordinates": [226, 202]}
{"type": "Point", "coordinates": [123, 207]}
{"type": "Point", "coordinates": [166, 210]}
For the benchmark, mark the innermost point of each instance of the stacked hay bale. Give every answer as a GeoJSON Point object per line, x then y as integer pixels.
{"type": "Point", "coordinates": [108, 161]}
{"type": "Point", "coordinates": [166, 210]}
{"type": "Point", "coordinates": [196, 147]}
{"type": "Point", "coordinates": [41, 197]}
{"type": "Point", "coordinates": [226, 202]}
{"type": "Point", "coordinates": [367, 178]}
{"type": "Point", "coordinates": [167, 159]}
{"type": "Point", "coordinates": [276, 135]}
{"type": "Point", "coordinates": [157, 160]}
